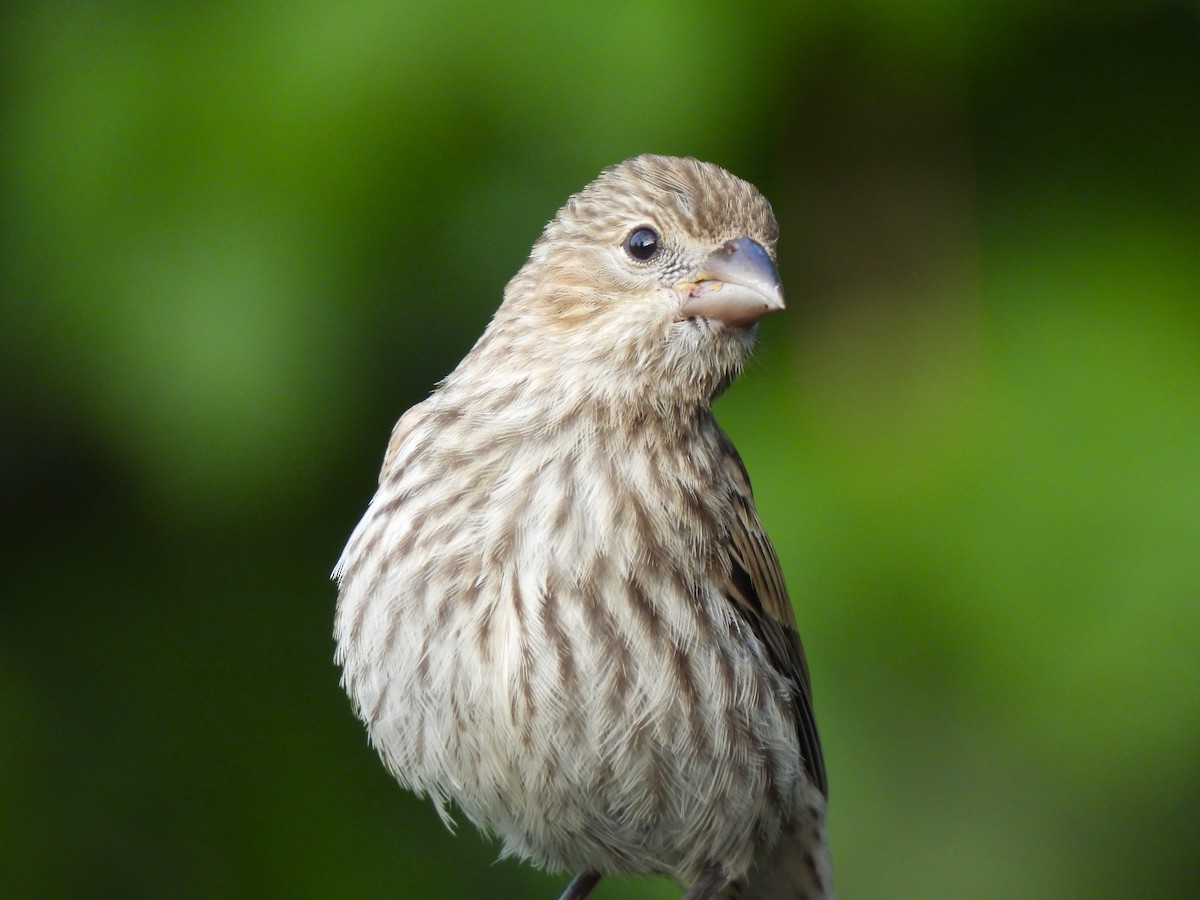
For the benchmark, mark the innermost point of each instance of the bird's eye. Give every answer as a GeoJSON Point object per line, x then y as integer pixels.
{"type": "Point", "coordinates": [642, 244]}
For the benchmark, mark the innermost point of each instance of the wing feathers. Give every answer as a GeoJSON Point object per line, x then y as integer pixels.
{"type": "Point", "coordinates": [757, 591]}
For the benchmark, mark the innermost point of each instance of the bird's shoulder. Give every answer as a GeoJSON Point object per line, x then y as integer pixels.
{"type": "Point", "coordinates": [401, 432]}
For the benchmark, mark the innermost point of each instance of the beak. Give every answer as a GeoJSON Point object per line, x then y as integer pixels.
{"type": "Point", "coordinates": [737, 284]}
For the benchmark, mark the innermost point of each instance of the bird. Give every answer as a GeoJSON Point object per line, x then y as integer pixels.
{"type": "Point", "coordinates": [560, 615]}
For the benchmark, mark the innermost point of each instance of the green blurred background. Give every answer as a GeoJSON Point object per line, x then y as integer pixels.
{"type": "Point", "coordinates": [238, 239]}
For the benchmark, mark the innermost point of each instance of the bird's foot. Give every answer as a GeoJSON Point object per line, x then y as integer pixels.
{"type": "Point", "coordinates": [710, 881]}
{"type": "Point", "coordinates": [581, 885]}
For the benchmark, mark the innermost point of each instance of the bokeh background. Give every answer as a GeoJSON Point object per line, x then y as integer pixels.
{"type": "Point", "coordinates": [238, 239]}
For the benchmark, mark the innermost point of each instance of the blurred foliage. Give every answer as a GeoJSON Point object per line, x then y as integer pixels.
{"type": "Point", "coordinates": [237, 240]}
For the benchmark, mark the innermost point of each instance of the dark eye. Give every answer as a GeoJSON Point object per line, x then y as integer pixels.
{"type": "Point", "coordinates": [642, 243]}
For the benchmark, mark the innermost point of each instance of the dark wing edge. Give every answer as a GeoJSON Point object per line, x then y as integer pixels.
{"type": "Point", "coordinates": [757, 591]}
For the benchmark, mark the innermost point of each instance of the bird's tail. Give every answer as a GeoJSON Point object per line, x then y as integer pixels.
{"type": "Point", "coordinates": [797, 868]}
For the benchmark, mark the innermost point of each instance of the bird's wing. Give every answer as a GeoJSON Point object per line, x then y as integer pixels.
{"type": "Point", "coordinates": [759, 594]}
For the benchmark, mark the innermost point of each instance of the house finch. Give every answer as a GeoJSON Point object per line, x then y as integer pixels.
{"type": "Point", "coordinates": [560, 612]}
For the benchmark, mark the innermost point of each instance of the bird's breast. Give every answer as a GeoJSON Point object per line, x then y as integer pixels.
{"type": "Point", "coordinates": [551, 645]}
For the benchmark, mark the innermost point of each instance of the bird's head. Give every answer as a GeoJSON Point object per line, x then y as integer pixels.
{"type": "Point", "coordinates": [649, 281]}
